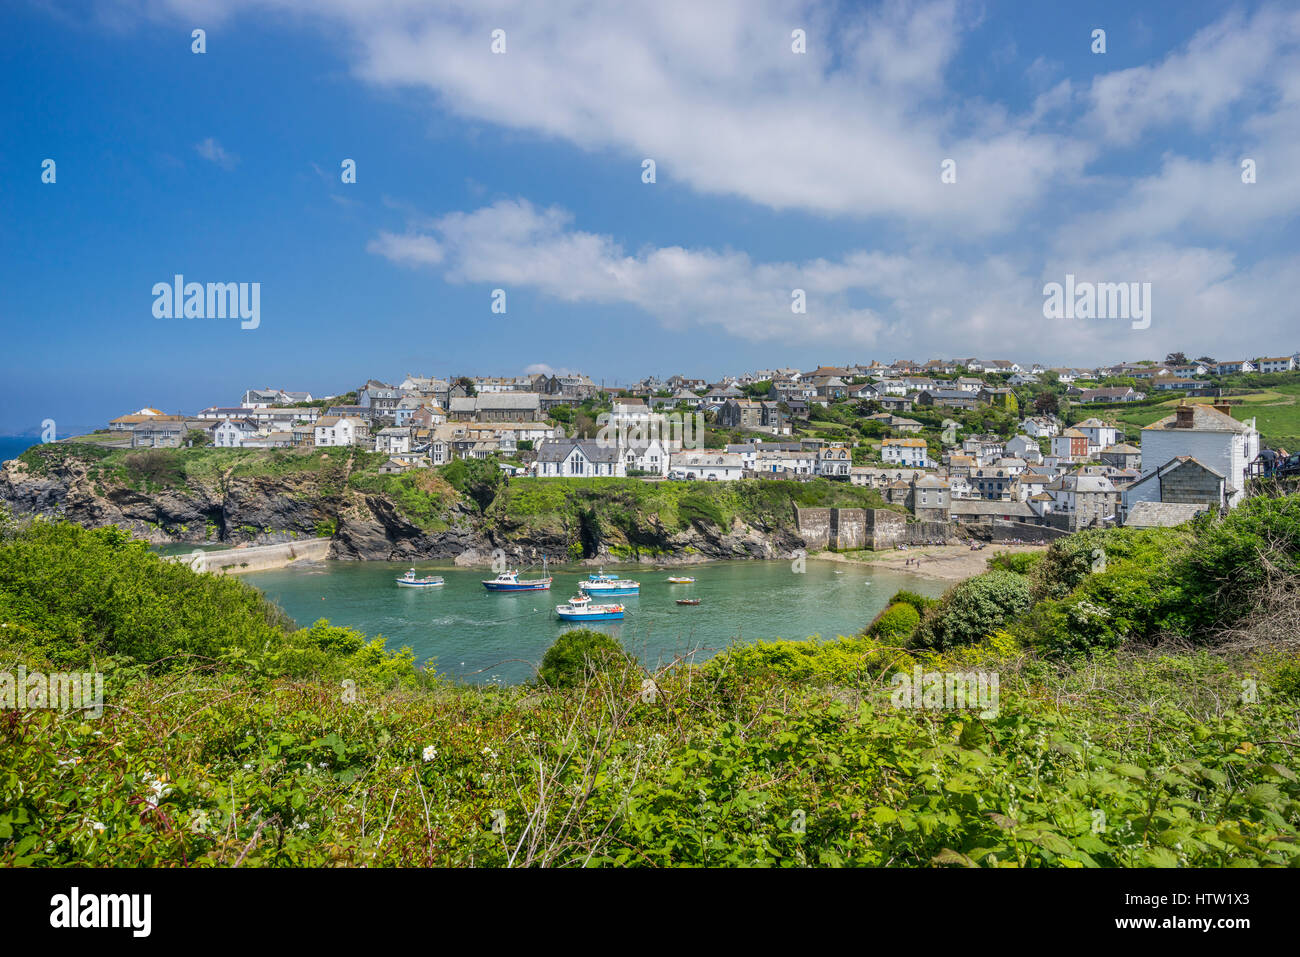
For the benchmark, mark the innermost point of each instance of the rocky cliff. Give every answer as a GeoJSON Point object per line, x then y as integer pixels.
{"type": "Point", "coordinates": [234, 496]}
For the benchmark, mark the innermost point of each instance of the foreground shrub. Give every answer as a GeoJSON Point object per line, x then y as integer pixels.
{"type": "Point", "coordinates": [895, 623]}
{"type": "Point", "coordinates": [1022, 563]}
{"type": "Point", "coordinates": [1132, 601]}
{"type": "Point", "coordinates": [77, 596]}
{"type": "Point", "coordinates": [578, 655]}
{"type": "Point", "coordinates": [973, 609]}
{"type": "Point", "coordinates": [919, 602]}
{"type": "Point", "coordinates": [1253, 550]}
{"type": "Point", "coordinates": [1069, 561]}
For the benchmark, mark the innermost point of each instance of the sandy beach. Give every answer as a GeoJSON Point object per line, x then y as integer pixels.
{"type": "Point", "coordinates": [944, 562]}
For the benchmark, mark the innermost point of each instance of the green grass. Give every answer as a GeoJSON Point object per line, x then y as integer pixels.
{"type": "Point", "coordinates": [420, 495]}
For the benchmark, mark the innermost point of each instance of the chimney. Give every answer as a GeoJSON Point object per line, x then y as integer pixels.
{"type": "Point", "coordinates": [1185, 416]}
{"type": "Point", "coordinates": [1223, 407]}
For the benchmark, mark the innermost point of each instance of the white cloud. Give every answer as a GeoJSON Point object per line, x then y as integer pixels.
{"type": "Point", "coordinates": [912, 301]}
{"type": "Point", "coordinates": [214, 152]}
{"type": "Point", "coordinates": [1233, 63]}
{"type": "Point", "coordinates": [857, 126]}
{"type": "Point", "coordinates": [406, 250]}
{"type": "Point", "coordinates": [856, 129]}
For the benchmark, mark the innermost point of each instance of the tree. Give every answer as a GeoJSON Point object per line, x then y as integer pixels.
{"type": "Point", "coordinates": [1046, 403]}
{"type": "Point", "coordinates": [1206, 359]}
{"type": "Point", "coordinates": [1176, 358]}
{"type": "Point", "coordinates": [467, 384]}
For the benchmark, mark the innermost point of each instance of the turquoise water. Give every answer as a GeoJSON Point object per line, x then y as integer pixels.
{"type": "Point", "coordinates": [478, 636]}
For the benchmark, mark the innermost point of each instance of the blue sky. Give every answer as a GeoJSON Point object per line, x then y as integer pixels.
{"type": "Point", "coordinates": [522, 171]}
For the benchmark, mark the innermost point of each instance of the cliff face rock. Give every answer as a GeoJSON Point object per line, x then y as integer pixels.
{"type": "Point", "coordinates": [648, 542]}
{"type": "Point", "coordinates": [232, 509]}
{"type": "Point", "coordinates": [256, 510]}
{"type": "Point", "coordinates": [371, 527]}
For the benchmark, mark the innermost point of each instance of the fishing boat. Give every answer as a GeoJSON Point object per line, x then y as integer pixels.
{"type": "Point", "coordinates": [688, 601]}
{"type": "Point", "coordinates": [603, 584]}
{"type": "Point", "coordinates": [509, 581]}
{"type": "Point", "coordinates": [410, 580]}
{"type": "Point", "coordinates": [580, 608]}
{"type": "Point", "coordinates": [680, 580]}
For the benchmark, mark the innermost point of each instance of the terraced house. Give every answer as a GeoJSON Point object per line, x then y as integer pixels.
{"type": "Point", "coordinates": [907, 452]}
{"type": "Point", "coordinates": [834, 461]}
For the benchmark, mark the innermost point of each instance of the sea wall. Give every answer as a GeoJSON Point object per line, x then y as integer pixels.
{"type": "Point", "coordinates": [814, 526]}
{"type": "Point", "coordinates": [1007, 531]}
{"type": "Point", "coordinates": [844, 529]}
{"type": "Point", "coordinates": [849, 528]}
{"type": "Point", "coordinates": [923, 533]}
{"type": "Point", "coordinates": [256, 558]}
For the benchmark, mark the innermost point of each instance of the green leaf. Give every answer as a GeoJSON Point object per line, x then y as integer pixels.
{"type": "Point", "coordinates": [949, 856]}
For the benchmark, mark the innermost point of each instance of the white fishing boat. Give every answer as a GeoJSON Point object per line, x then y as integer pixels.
{"type": "Point", "coordinates": [411, 580]}
{"type": "Point", "coordinates": [510, 581]}
{"type": "Point", "coordinates": [603, 584]}
{"type": "Point", "coordinates": [580, 608]}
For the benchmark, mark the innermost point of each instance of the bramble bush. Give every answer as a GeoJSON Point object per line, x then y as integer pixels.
{"type": "Point", "coordinates": [80, 596]}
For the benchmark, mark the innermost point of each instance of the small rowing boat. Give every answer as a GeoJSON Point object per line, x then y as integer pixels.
{"type": "Point", "coordinates": [409, 580]}
{"type": "Point", "coordinates": [680, 580]}
{"type": "Point", "coordinates": [688, 601]}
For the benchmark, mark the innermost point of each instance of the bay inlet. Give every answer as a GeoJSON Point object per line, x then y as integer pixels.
{"type": "Point", "coordinates": [465, 632]}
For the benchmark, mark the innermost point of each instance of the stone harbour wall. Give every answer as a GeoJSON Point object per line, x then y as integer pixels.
{"type": "Point", "coordinates": [256, 558]}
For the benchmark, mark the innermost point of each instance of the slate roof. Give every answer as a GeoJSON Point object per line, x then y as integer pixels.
{"type": "Point", "coordinates": [557, 450]}
{"type": "Point", "coordinates": [1162, 514]}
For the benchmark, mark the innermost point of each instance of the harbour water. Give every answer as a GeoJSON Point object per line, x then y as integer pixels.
{"type": "Point", "coordinates": [468, 633]}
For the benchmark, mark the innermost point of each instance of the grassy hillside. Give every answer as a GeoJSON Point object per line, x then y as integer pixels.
{"type": "Point", "coordinates": [229, 736]}
{"type": "Point", "coordinates": [636, 515]}
{"type": "Point", "coordinates": [191, 468]}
